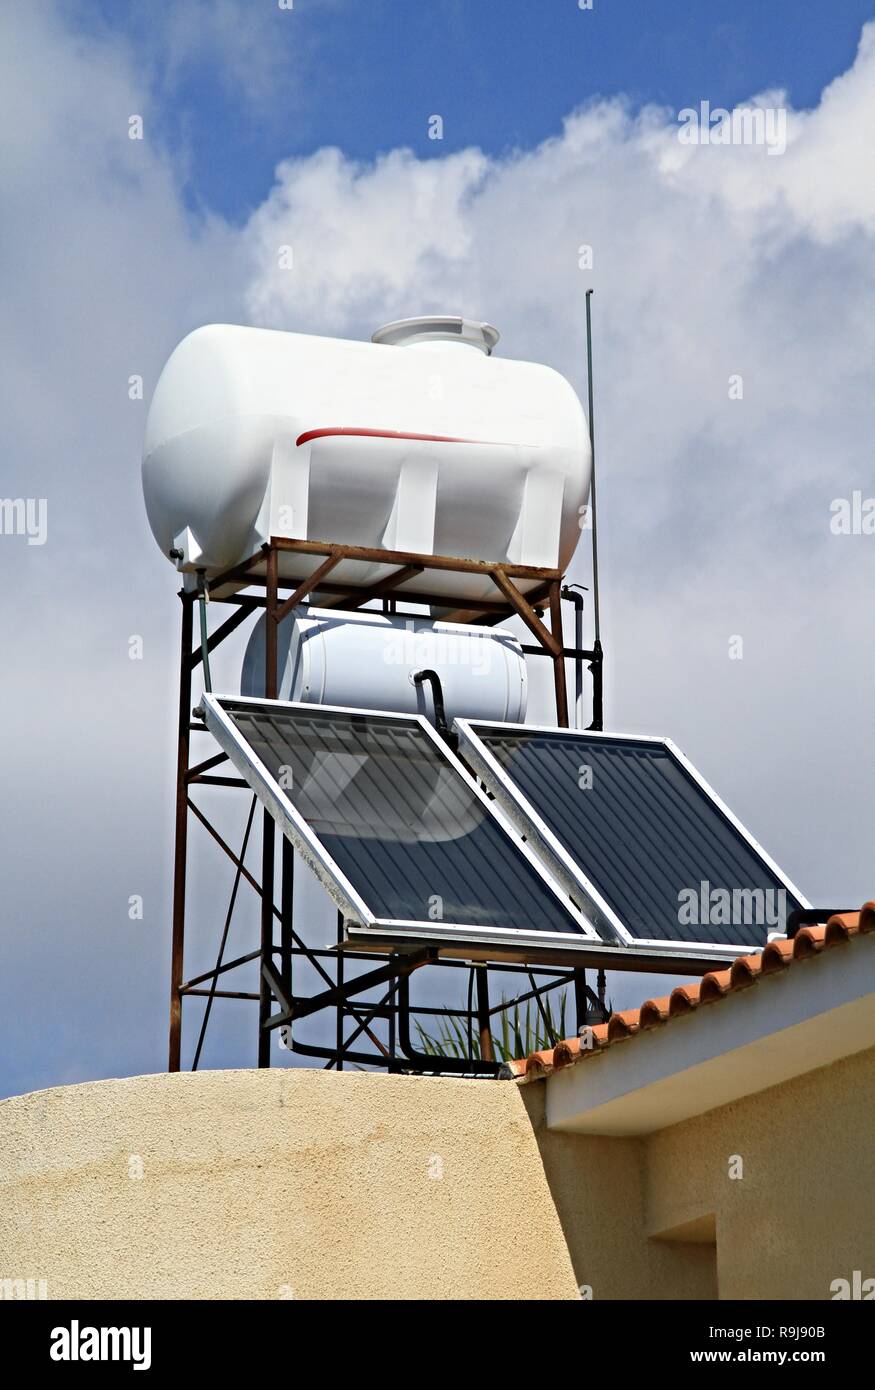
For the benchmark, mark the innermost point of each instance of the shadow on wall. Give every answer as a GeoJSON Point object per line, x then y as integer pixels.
{"type": "Point", "coordinates": [597, 1184]}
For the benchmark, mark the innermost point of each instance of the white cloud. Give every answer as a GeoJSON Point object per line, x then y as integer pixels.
{"type": "Point", "coordinates": [363, 237]}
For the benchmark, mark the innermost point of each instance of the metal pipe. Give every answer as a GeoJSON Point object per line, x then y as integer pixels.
{"type": "Point", "coordinates": [229, 626]}
{"type": "Point", "coordinates": [569, 592]}
{"type": "Point", "coordinates": [437, 694]}
{"type": "Point", "coordinates": [455, 1066]}
{"type": "Point", "coordinates": [812, 916]}
{"type": "Point", "coordinates": [205, 645]}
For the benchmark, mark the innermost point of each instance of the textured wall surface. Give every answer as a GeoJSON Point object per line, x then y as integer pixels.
{"type": "Point", "coordinates": [278, 1184]}
{"type": "Point", "coordinates": [800, 1211]}
{"type": "Point", "coordinates": [310, 1184]}
{"type": "Point", "coordinates": [770, 1197]}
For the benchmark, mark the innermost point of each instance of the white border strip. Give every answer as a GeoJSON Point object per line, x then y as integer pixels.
{"type": "Point", "coordinates": [605, 954]}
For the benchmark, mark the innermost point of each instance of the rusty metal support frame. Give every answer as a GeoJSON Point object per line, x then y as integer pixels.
{"type": "Point", "coordinates": [276, 959]}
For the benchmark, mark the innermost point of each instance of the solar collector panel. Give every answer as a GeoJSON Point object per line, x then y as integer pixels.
{"type": "Point", "coordinates": [401, 822]}
{"type": "Point", "coordinates": [644, 833]}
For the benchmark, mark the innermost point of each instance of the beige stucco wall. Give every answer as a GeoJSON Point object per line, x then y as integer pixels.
{"type": "Point", "coordinates": [277, 1184]}
{"type": "Point", "coordinates": [313, 1184]}
{"type": "Point", "coordinates": [598, 1187]}
{"type": "Point", "coordinates": [660, 1217]}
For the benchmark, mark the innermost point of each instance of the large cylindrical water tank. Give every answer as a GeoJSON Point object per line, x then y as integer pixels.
{"type": "Point", "coordinates": [368, 660]}
{"type": "Point", "coordinates": [420, 442]}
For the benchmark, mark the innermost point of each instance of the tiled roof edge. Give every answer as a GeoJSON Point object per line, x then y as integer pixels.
{"type": "Point", "coordinates": [776, 958]}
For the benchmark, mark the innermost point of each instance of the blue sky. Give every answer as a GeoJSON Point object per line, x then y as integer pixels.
{"type": "Point", "coordinates": [715, 512]}
{"type": "Point", "coordinates": [365, 75]}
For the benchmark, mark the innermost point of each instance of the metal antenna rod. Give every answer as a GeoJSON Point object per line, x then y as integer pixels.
{"type": "Point", "coordinates": [592, 497]}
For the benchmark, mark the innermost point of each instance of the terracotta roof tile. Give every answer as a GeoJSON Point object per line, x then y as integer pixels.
{"type": "Point", "coordinates": [808, 942]}
{"type": "Point", "coordinates": [714, 985]}
{"type": "Point", "coordinates": [838, 930]}
{"type": "Point", "coordinates": [624, 1024]}
{"type": "Point", "coordinates": [683, 1000]}
{"type": "Point", "coordinates": [777, 956]}
{"type": "Point", "coordinates": [562, 1055]}
{"type": "Point", "coordinates": [654, 1012]}
{"type": "Point", "coordinates": [743, 971]}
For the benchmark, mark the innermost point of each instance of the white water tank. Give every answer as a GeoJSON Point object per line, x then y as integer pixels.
{"type": "Point", "coordinates": [420, 441]}
{"type": "Point", "coordinates": [367, 661]}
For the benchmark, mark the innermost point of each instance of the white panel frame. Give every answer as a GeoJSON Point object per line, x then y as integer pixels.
{"type": "Point", "coordinates": [663, 959]}
{"type": "Point", "coordinates": [562, 864]}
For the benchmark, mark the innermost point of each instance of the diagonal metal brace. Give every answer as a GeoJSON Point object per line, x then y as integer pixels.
{"type": "Point", "coordinates": [292, 1009]}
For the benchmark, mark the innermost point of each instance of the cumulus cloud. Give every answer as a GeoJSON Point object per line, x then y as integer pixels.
{"type": "Point", "coordinates": [708, 263]}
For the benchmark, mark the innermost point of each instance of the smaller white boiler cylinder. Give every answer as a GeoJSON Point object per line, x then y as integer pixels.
{"type": "Point", "coordinates": [367, 661]}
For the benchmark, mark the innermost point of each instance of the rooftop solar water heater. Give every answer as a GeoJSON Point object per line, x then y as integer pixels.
{"type": "Point", "coordinates": [629, 827]}
{"type": "Point", "coordinates": [399, 833]}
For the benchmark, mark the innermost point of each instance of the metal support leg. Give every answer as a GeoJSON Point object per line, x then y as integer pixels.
{"type": "Point", "coordinates": [487, 1052]}
{"type": "Point", "coordinates": [601, 985]}
{"type": "Point", "coordinates": [339, 1019]}
{"type": "Point", "coordinates": [268, 844]}
{"type": "Point", "coordinates": [287, 913]}
{"type": "Point", "coordinates": [181, 838]}
{"type": "Point", "coordinates": [580, 998]}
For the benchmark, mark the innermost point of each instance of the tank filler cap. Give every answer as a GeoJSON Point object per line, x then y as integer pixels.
{"type": "Point", "coordinates": [438, 328]}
